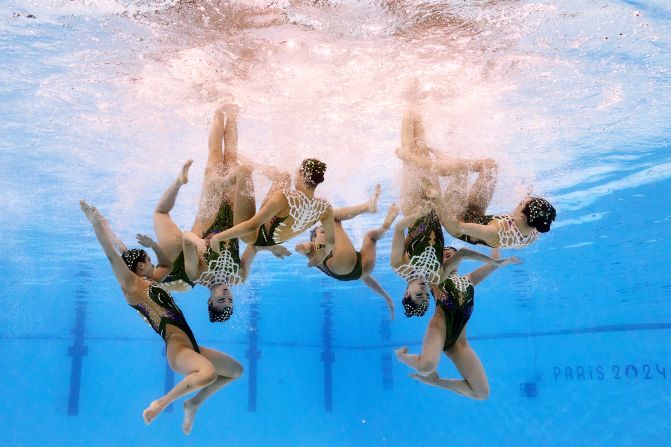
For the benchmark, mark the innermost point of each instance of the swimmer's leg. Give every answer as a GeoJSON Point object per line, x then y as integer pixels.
{"type": "Point", "coordinates": [199, 372]}
{"type": "Point", "coordinates": [230, 135]}
{"type": "Point", "coordinates": [351, 212]}
{"type": "Point", "coordinates": [432, 346]}
{"type": "Point", "coordinates": [369, 254]}
{"type": "Point", "coordinates": [244, 204]}
{"type": "Point", "coordinates": [168, 233]}
{"type": "Point", "coordinates": [482, 190]}
{"type": "Point", "coordinates": [368, 247]}
{"type": "Point", "coordinates": [228, 369]}
{"type": "Point", "coordinates": [211, 193]}
{"type": "Point", "coordinates": [413, 136]}
{"type": "Point", "coordinates": [474, 383]}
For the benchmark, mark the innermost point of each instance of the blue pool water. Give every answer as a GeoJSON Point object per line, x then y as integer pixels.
{"type": "Point", "coordinates": [103, 99]}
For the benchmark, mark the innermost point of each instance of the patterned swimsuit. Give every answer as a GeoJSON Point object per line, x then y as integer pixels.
{"type": "Point", "coordinates": [424, 247]}
{"type": "Point", "coordinates": [455, 297]}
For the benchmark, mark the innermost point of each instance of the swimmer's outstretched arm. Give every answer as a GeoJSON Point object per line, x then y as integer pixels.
{"type": "Point", "coordinates": [377, 288]}
{"type": "Point", "coordinates": [126, 278]}
{"type": "Point", "coordinates": [487, 233]}
{"type": "Point", "coordinates": [275, 175]}
{"type": "Point", "coordinates": [443, 167]}
{"type": "Point", "coordinates": [396, 258]}
{"type": "Point", "coordinates": [466, 253]}
{"type": "Point", "coordinates": [164, 265]}
{"type": "Point", "coordinates": [477, 276]}
{"type": "Point", "coordinates": [279, 251]}
{"type": "Point", "coordinates": [273, 206]}
{"type": "Point", "coordinates": [398, 239]}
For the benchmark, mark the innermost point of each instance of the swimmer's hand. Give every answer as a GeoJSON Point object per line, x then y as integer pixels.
{"type": "Point", "coordinates": [430, 379]}
{"type": "Point", "coordinates": [91, 212]}
{"type": "Point", "coordinates": [409, 220]}
{"type": "Point", "coordinates": [280, 251]}
{"type": "Point", "coordinates": [318, 257]}
{"type": "Point", "coordinates": [507, 261]}
{"type": "Point", "coordinates": [215, 246]}
{"type": "Point", "coordinates": [146, 241]}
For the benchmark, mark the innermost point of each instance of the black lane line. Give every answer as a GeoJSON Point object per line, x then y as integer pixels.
{"type": "Point", "coordinates": [327, 355]}
{"type": "Point", "coordinates": [253, 354]}
{"type": "Point", "coordinates": [78, 349]}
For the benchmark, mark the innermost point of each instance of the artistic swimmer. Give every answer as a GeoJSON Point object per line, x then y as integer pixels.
{"type": "Point", "coordinates": [227, 198]}
{"type": "Point", "coordinates": [462, 210]}
{"type": "Point", "coordinates": [287, 212]}
{"type": "Point", "coordinates": [205, 370]}
{"type": "Point", "coordinates": [344, 262]}
{"type": "Point", "coordinates": [446, 332]}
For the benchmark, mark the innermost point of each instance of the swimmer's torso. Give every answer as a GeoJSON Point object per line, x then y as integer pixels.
{"type": "Point", "coordinates": [159, 310]}
{"type": "Point", "coordinates": [299, 215]}
{"type": "Point", "coordinates": [455, 298]}
{"type": "Point", "coordinates": [423, 250]}
{"type": "Point", "coordinates": [509, 234]}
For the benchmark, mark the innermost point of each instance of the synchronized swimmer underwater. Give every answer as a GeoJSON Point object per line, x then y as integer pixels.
{"type": "Point", "coordinates": [437, 198]}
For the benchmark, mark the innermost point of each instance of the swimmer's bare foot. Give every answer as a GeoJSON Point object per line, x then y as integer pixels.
{"type": "Point", "coordinates": [400, 352]}
{"type": "Point", "coordinates": [392, 214]}
{"type": "Point", "coordinates": [153, 410]}
{"type": "Point", "coordinates": [372, 203]}
{"type": "Point", "coordinates": [183, 177]}
{"type": "Point", "coordinates": [189, 415]}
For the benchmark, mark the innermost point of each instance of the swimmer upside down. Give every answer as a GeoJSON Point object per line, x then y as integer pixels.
{"type": "Point", "coordinates": [344, 262]}
{"type": "Point", "coordinates": [227, 198]}
{"type": "Point", "coordinates": [462, 210]}
{"type": "Point", "coordinates": [454, 298]}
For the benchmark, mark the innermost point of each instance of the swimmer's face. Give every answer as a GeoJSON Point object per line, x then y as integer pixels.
{"type": "Point", "coordinates": [145, 268]}
{"type": "Point", "coordinates": [418, 289]}
{"type": "Point", "coordinates": [319, 236]}
{"type": "Point", "coordinates": [220, 297]}
{"type": "Point", "coordinates": [448, 252]}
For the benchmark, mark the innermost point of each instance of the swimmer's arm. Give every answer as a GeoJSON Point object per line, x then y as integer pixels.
{"type": "Point", "coordinates": [487, 233]}
{"type": "Point", "coordinates": [279, 251]}
{"type": "Point", "coordinates": [407, 156]}
{"type": "Point", "coordinates": [127, 279]}
{"type": "Point", "coordinates": [329, 231]}
{"type": "Point", "coordinates": [246, 261]}
{"type": "Point", "coordinates": [397, 246]}
{"type": "Point", "coordinates": [377, 288]}
{"type": "Point", "coordinates": [396, 258]}
{"type": "Point", "coordinates": [398, 243]}
{"type": "Point", "coordinates": [164, 265]}
{"type": "Point", "coordinates": [494, 262]}
{"type": "Point", "coordinates": [461, 255]}
{"type": "Point", "coordinates": [273, 206]}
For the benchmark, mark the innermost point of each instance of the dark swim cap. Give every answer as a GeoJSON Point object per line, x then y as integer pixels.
{"type": "Point", "coordinates": [219, 316]}
{"type": "Point", "coordinates": [313, 171]}
{"type": "Point", "coordinates": [133, 257]}
{"type": "Point", "coordinates": [540, 214]}
{"type": "Point", "coordinates": [414, 310]}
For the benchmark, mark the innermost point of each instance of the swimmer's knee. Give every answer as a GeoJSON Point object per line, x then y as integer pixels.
{"type": "Point", "coordinates": [461, 343]}
{"type": "Point", "coordinates": [244, 170]}
{"type": "Point", "coordinates": [481, 392]}
{"type": "Point", "coordinates": [208, 375]}
{"type": "Point", "coordinates": [237, 370]}
{"type": "Point", "coordinates": [490, 164]}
